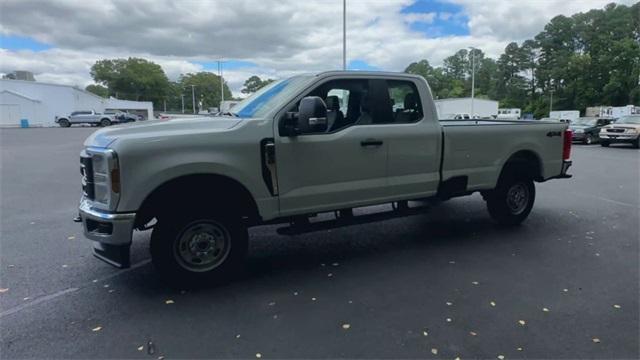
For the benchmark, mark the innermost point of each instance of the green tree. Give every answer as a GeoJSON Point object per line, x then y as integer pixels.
{"type": "Point", "coordinates": [206, 87]}
{"type": "Point", "coordinates": [98, 90]}
{"type": "Point", "coordinates": [132, 79]}
{"type": "Point", "coordinates": [254, 83]}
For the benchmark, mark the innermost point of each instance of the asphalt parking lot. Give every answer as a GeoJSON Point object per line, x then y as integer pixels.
{"type": "Point", "coordinates": [444, 284]}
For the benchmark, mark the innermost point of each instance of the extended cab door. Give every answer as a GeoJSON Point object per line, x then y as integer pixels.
{"type": "Point", "coordinates": [414, 138]}
{"type": "Point", "coordinates": [344, 166]}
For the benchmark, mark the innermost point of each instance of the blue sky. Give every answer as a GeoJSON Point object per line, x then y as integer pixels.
{"type": "Point", "coordinates": [13, 42]}
{"type": "Point", "coordinates": [442, 25]}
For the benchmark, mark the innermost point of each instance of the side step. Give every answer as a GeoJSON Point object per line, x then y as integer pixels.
{"type": "Point", "coordinates": [400, 209]}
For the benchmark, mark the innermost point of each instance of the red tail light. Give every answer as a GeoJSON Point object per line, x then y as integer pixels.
{"type": "Point", "coordinates": [566, 145]}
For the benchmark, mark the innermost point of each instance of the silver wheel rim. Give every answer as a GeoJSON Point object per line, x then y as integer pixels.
{"type": "Point", "coordinates": [202, 246]}
{"type": "Point", "coordinates": [589, 140]}
{"type": "Point", "coordinates": [517, 198]}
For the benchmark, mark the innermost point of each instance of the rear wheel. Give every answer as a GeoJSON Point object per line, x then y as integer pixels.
{"type": "Point", "coordinates": [105, 122]}
{"type": "Point", "coordinates": [199, 248]}
{"type": "Point", "coordinates": [512, 200]}
{"type": "Point", "coordinates": [604, 143]}
{"type": "Point", "coordinates": [64, 123]}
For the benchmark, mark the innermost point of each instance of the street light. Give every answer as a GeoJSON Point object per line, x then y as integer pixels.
{"type": "Point", "coordinates": [193, 97]}
{"type": "Point", "coordinates": [344, 34]}
{"type": "Point", "coordinates": [473, 78]}
{"type": "Point", "coordinates": [220, 62]}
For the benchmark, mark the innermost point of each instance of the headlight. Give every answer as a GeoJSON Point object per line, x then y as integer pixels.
{"type": "Point", "coordinates": [632, 131]}
{"type": "Point", "coordinates": [106, 177]}
{"type": "Point", "coordinates": [578, 131]}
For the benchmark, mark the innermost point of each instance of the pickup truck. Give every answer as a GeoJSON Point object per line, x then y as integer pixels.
{"type": "Point", "coordinates": [86, 117]}
{"type": "Point", "coordinates": [310, 144]}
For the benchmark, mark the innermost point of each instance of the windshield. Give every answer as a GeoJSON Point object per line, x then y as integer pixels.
{"type": "Point", "coordinates": [584, 122]}
{"type": "Point", "coordinates": [629, 120]}
{"type": "Point", "coordinates": [267, 98]}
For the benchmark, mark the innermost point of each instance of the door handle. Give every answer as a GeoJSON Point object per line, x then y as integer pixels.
{"type": "Point", "coordinates": [371, 142]}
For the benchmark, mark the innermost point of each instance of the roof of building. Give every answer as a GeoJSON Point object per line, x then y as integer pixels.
{"type": "Point", "coordinates": [36, 83]}
{"type": "Point", "coordinates": [19, 95]}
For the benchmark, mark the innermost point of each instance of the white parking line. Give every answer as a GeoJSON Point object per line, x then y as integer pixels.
{"type": "Point", "coordinates": [55, 295]}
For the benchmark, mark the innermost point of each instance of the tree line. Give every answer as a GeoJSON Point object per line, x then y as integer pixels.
{"type": "Point", "coordinates": [142, 80]}
{"type": "Point", "coordinates": [588, 59]}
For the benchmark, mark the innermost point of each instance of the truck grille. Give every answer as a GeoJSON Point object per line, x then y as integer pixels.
{"type": "Point", "coordinates": [86, 169]}
{"type": "Point", "coordinates": [615, 130]}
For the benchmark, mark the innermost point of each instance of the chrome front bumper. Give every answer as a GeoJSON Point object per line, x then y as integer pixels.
{"type": "Point", "coordinates": [111, 233]}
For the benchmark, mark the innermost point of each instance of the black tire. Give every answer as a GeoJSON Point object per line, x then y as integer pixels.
{"type": "Point", "coordinates": [105, 122]}
{"type": "Point", "coordinates": [174, 241]}
{"type": "Point", "coordinates": [64, 123]}
{"type": "Point", "coordinates": [604, 143]}
{"type": "Point", "coordinates": [512, 200]}
{"type": "Point", "coordinates": [636, 144]}
{"type": "Point", "coordinates": [588, 140]}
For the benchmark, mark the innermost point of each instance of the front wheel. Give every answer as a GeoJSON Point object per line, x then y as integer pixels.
{"type": "Point", "coordinates": [636, 144]}
{"type": "Point", "coordinates": [198, 249]}
{"type": "Point", "coordinates": [105, 122]}
{"type": "Point", "coordinates": [64, 123]}
{"type": "Point", "coordinates": [589, 140]}
{"type": "Point", "coordinates": [512, 200]}
{"type": "Point", "coordinates": [604, 143]}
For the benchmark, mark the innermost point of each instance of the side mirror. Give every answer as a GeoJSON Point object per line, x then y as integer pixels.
{"type": "Point", "coordinates": [312, 115]}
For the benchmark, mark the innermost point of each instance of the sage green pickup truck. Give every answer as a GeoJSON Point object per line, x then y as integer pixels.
{"type": "Point", "coordinates": [310, 144]}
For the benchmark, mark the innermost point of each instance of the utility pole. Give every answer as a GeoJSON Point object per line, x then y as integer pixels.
{"type": "Point", "coordinates": [221, 84]}
{"type": "Point", "coordinates": [551, 101]}
{"type": "Point", "coordinates": [473, 79]}
{"type": "Point", "coordinates": [182, 96]}
{"type": "Point", "coordinates": [344, 34]}
{"type": "Point", "coordinates": [165, 105]}
{"type": "Point", "coordinates": [193, 97]}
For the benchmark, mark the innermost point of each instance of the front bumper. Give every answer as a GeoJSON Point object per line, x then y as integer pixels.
{"type": "Point", "coordinates": [619, 137]}
{"type": "Point", "coordinates": [111, 233]}
{"type": "Point", "coordinates": [578, 136]}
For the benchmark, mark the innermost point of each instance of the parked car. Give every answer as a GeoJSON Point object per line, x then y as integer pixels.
{"type": "Point", "coordinates": [586, 129]}
{"type": "Point", "coordinates": [625, 130]}
{"type": "Point", "coordinates": [287, 153]}
{"type": "Point", "coordinates": [86, 117]}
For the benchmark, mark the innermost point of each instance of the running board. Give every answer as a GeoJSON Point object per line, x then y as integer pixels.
{"type": "Point", "coordinates": [398, 211]}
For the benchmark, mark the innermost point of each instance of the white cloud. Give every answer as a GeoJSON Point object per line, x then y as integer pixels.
{"type": "Point", "coordinates": [520, 20]}
{"type": "Point", "coordinates": [282, 37]}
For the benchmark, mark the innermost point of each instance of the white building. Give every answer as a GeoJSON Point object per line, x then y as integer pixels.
{"type": "Point", "coordinates": [509, 114]}
{"type": "Point", "coordinates": [612, 111]}
{"type": "Point", "coordinates": [482, 108]}
{"type": "Point", "coordinates": [39, 102]}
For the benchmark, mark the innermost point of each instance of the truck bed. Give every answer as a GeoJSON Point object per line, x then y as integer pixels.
{"type": "Point", "coordinates": [476, 150]}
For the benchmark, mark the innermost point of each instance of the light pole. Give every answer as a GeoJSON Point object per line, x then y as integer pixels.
{"type": "Point", "coordinates": [473, 78]}
{"type": "Point", "coordinates": [182, 96]}
{"type": "Point", "coordinates": [221, 84]}
{"type": "Point", "coordinates": [344, 34]}
{"type": "Point", "coordinates": [551, 101]}
{"type": "Point", "coordinates": [193, 97]}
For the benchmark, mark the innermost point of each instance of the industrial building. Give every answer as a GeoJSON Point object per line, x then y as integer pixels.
{"type": "Point", "coordinates": [612, 111]}
{"type": "Point", "coordinates": [482, 108]}
{"type": "Point", "coordinates": [39, 102]}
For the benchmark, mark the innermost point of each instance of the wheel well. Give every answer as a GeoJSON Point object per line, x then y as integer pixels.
{"type": "Point", "coordinates": [105, 118]}
{"type": "Point", "coordinates": [525, 162]}
{"type": "Point", "coordinates": [198, 191]}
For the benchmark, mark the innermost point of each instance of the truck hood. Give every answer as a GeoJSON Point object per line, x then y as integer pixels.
{"type": "Point", "coordinates": [152, 128]}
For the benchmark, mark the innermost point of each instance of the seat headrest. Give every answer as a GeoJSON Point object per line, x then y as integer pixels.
{"type": "Point", "coordinates": [333, 103]}
{"type": "Point", "coordinates": [365, 103]}
{"type": "Point", "coordinates": [411, 101]}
